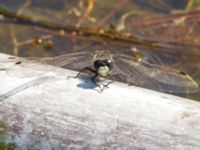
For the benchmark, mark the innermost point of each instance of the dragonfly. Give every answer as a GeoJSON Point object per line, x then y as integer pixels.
{"type": "Point", "coordinates": [103, 64]}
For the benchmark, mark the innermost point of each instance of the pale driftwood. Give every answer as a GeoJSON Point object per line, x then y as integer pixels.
{"type": "Point", "coordinates": [49, 111]}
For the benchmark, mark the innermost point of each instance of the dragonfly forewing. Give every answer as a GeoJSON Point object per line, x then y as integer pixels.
{"type": "Point", "coordinates": [155, 77]}
{"type": "Point", "coordinates": [36, 66]}
{"type": "Point", "coordinates": [74, 61]}
{"type": "Point", "coordinates": [134, 71]}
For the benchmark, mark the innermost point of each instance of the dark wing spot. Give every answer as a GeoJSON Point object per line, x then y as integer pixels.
{"type": "Point", "coordinates": [19, 62]}
{"type": "Point", "coordinates": [183, 73]}
{"type": "Point", "coordinates": [11, 57]}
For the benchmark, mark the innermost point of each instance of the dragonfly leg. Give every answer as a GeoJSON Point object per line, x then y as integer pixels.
{"type": "Point", "coordinates": [82, 70]}
{"type": "Point", "coordinates": [107, 84]}
{"type": "Point", "coordinates": [2, 69]}
{"type": "Point", "coordinates": [93, 79]}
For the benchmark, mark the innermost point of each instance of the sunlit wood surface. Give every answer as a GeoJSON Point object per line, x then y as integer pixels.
{"type": "Point", "coordinates": [51, 111]}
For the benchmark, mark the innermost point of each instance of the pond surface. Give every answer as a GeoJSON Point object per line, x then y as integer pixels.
{"type": "Point", "coordinates": [161, 32]}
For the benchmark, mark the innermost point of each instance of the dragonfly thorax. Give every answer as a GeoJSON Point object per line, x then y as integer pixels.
{"type": "Point", "coordinates": [103, 67]}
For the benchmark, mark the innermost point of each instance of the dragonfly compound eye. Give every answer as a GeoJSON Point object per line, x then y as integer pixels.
{"type": "Point", "coordinates": [97, 64]}
{"type": "Point", "coordinates": [103, 71]}
{"type": "Point", "coordinates": [108, 63]}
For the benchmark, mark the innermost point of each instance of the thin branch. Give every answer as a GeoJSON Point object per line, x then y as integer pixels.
{"type": "Point", "coordinates": [88, 32]}
{"type": "Point", "coordinates": [166, 19]}
{"type": "Point", "coordinates": [15, 42]}
{"type": "Point", "coordinates": [86, 13]}
{"type": "Point", "coordinates": [120, 5]}
{"type": "Point", "coordinates": [96, 34]}
{"type": "Point", "coordinates": [24, 6]}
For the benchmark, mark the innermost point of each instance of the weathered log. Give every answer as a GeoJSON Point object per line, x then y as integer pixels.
{"type": "Point", "coordinates": [44, 109]}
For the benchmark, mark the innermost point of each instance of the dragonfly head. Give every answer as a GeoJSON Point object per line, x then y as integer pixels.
{"type": "Point", "coordinates": [102, 62]}
{"type": "Point", "coordinates": [103, 67]}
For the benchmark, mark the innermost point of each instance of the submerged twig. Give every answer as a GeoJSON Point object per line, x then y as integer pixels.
{"type": "Point", "coordinates": [120, 4]}
{"type": "Point", "coordinates": [24, 6]}
{"type": "Point", "coordinates": [86, 13]}
{"type": "Point", "coordinates": [121, 26]}
{"type": "Point", "coordinates": [96, 34]}
{"type": "Point", "coordinates": [15, 42]}
{"type": "Point", "coordinates": [189, 5]}
{"type": "Point", "coordinates": [88, 32]}
{"type": "Point", "coordinates": [189, 16]}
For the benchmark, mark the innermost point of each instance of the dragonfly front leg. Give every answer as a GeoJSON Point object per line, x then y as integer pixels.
{"type": "Point", "coordinates": [93, 78]}
{"type": "Point", "coordinates": [107, 84]}
{"type": "Point", "coordinates": [81, 71]}
{"type": "Point", "coordinates": [84, 69]}
{"type": "Point", "coordinates": [104, 86]}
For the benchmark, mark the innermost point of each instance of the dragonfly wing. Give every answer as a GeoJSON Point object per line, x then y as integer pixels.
{"type": "Point", "coordinates": [23, 68]}
{"type": "Point", "coordinates": [74, 61]}
{"type": "Point", "coordinates": [34, 66]}
{"type": "Point", "coordinates": [154, 77]}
